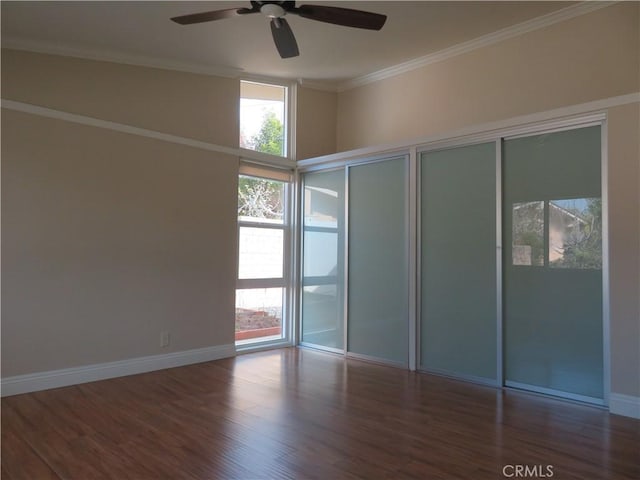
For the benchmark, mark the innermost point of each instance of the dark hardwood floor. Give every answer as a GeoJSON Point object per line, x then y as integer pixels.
{"type": "Point", "coordinates": [303, 414]}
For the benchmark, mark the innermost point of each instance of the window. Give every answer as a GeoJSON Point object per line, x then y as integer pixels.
{"type": "Point", "coordinates": [263, 118]}
{"type": "Point", "coordinates": [263, 237]}
{"type": "Point", "coordinates": [573, 233]}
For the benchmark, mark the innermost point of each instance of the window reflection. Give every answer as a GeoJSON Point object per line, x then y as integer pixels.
{"type": "Point", "coordinates": [575, 233]}
{"type": "Point", "coordinates": [320, 207]}
{"type": "Point", "coordinates": [528, 233]}
{"type": "Point", "coordinates": [574, 238]}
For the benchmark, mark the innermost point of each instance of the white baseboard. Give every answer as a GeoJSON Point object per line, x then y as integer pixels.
{"type": "Point", "coordinates": [626, 405]}
{"type": "Point", "coordinates": [90, 373]}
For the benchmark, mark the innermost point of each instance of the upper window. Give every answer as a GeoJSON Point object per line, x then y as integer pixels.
{"type": "Point", "coordinates": [263, 119]}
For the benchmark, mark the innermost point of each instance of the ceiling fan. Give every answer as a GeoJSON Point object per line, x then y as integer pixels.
{"type": "Point", "coordinates": [280, 29]}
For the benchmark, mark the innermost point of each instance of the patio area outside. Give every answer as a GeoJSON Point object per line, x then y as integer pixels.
{"type": "Point", "coordinates": [258, 314]}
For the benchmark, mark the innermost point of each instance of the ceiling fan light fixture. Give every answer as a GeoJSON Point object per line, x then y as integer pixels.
{"type": "Point", "coordinates": [272, 10]}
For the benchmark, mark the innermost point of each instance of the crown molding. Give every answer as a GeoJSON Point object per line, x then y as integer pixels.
{"type": "Point", "coordinates": [480, 42]}
{"type": "Point", "coordinates": [327, 86]}
{"type": "Point", "coordinates": [584, 7]}
{"type": "Point", "coordinates": [67, 50]}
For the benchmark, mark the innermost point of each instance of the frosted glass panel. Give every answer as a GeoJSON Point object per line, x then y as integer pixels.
{"type": "Point", "coordinates": [378, 290]}
{"type": "Point", "coordinates": [458, 261]}
{"type": "Point", "coordinates": [320, 252]}
{"type": "Point", "coordinates": [553, 306]}
{"type": "Point", "coordinates": [323, 259]}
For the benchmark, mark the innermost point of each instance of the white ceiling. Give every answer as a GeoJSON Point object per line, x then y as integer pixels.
{"type": "Point", "coordinates": [141, 32]}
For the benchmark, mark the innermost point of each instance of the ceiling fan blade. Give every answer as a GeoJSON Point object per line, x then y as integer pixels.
{"type": "Point", "coordinates": [283, 38]}
{"type": "Point", "coordinates": [341, 16]}
{"type": "Point", "coordinates": [210, 16]}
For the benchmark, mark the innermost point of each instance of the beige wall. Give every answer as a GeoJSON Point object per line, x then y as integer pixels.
{"type": "Point", "coordinates": [195, 106]}
{"type": "Point", "coordinates": [109, 238]}
{"type": "Point", "coordinates": [624, 247]}
{"type": "Point", "coordinates": [316, 123]}
{"type": "Point", "coordinates": [587, 58]}
{"type": "Point", "coordinates": [591, 57]}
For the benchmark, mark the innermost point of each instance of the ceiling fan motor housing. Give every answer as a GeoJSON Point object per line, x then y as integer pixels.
{"type": "Point", "coordinates": [272, 10]}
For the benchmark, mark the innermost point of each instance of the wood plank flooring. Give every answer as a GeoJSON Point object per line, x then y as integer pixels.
{"type": "Point", "coordinates": [300, 414]}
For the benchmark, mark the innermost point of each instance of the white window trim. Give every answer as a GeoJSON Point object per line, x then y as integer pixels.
{"type": "Point", "coordinates": [290, 120]}
{"type": "Point", "coordinates": [286, 280]}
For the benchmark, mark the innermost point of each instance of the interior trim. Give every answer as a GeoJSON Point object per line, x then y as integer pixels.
{"type": "Point", "coordinates": [475, 133]}
{"type": "Point", "coordinates": [144, 132]}
{"type": "Point", "coordinates": [76, 51]}
{"type": "Point", "coordinates": [101, 371]}
{"type": "Point", "coordinates": [477, 43]}
{"type": "Point", "coordinates": [626, 405]}
{"type": "Point", "coordinates": [70, 50]}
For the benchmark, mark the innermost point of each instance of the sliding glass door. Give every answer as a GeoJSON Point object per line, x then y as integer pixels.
{"type": "Point", "coordinates": [458, 287]}
{"type": "Point", "coordinates": [509, 261]}
{"type": "Point", "coordinates": [377, 261]}
{"type": "Point", "coordinates": [553, 301]}
{"type": "Point", "coordinates": [323, 231]}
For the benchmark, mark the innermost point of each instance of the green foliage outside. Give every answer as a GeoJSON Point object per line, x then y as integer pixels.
{"type": "Point", "coordinates": [270, 138]}
{"type": "Point", "coordinates": [260, 198]}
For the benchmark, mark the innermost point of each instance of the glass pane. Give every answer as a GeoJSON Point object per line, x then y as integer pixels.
{"type": "Point", "coordinates": [259, 314]}
{"type": "Point", "coordinates": [262, 117]}
{"type": "Point", "coordinates": [323, 199]}
{"type": "Point", "coordinates": [528, 234]}
{"type": "Point", "coordinates": [553, 314]}
{"type": "Point", "coordinates": [322, 315]}
{"type": "Point", "coordinates": [261, 253]}
{"type": "Point", "coordinates": [458, 267]}
{"type": "Point", "coordinates": [378, 283]}
{"type": "Point", "coordinates": [323, 259]}
{"type": "Point", "coordinates": [575, 233]}
{"type": "Point", "coordinates": [260, 200]}
{"type": "Point", "coordinates": [320, 253]}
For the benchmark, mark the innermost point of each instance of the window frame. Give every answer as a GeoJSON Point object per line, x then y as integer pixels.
{"type": "Point", "coordinates": [285, 281]}
{"type": "Point", "coordinates": [288, 116]}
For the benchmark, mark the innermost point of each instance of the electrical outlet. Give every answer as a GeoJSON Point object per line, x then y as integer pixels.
{"type": "Point", "coordinates": [164, 338]}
